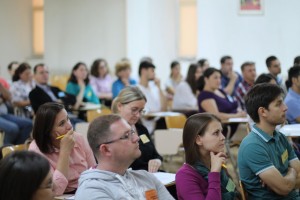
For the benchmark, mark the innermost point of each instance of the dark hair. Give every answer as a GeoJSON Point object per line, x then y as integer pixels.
{"type": "Point", "coordinates": [190, 77]}
{"type": "Point", "coordinates": [201, 62]}
{"type": "Point", "coordinates": [95, 67]}
{"type": "Point", "coordinates": [21, 174]}
{"type": "Point", "coordinates": [207, 73]}
{"type": "Point", "coordinates": [43, 125]}
{"type": "Point", "coordinates": [245, 64]}
{"type": "Point", "coordinates": [145, 65]}
{"type": "Point", "coordinates": [73, 78]}
{"type": "Point", "coordinates": [194, 126]}
{"type": "Point", "coordinates": [269, 60]}
{"type": "Point", "coordinates": [261, 95]}
{"type": "Point", "coordinates": [173, 65]}
{"type": "Point", "coordinates": [297, 60]}
{"type": "Point", "coordinates": [264, 78]}
{"type": "Point", "coordinates": [9, 67]}
{"type": "Point", "coordinates": [36, 66]}
{"type": "Point", "coordinates": [224, 58]}
{"type": "Point", "coordinates": [293, 72]}
{"type": "Point", "coordinates": [99, 131]}
{"type": "Point", "coordinates": [22, 67]}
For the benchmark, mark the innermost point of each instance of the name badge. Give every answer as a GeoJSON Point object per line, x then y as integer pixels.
{"type": "Point", "coordinates": [151, 195]}
{"type": "Point", "coordinates": [230, 187]}
{"type": "Point", "coordinates": [144, 138]}
{"type": "Point", "coordinates": [284, 156]}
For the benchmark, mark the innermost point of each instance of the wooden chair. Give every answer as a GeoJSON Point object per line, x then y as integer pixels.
{"type": "Point", "coordinates": [9, 149]}
{"type": "Point", "coordinates": [59, 81]}
{"type": "Point", "coordinates": [93, 114]}
{"type": "Point", "coordinates": [175, 121]}
{"type": "Point", "coordinates": [243, 192]}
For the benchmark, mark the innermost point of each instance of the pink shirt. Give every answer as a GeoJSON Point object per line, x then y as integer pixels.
{"type": "Point", "coordinates": [81, 159]}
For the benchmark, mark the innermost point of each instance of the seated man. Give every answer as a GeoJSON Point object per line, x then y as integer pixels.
{"type": "Point", "coordinates": [116, 146]}
{"type": "Point", "coordinates": [268, 166]}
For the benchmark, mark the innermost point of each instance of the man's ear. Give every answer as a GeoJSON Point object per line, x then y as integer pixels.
{"type": "Point", "coordinates": [105, 150]}
{"type": "Point", "coordinates": [199, 140]}
{"type": "Point", "coordinates": [262, 111]}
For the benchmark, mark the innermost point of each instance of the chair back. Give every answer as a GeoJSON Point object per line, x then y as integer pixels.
{"type": "Point", "coordinates": [243, 192]}
{"type": "Point", "coordinates": [168, 141]}
{"type": "Point", "coordinates": [175, 121]}
{"type": "Point", "coordinates": [9, 149]}
{"type": "Point", "coordinates": [59, 81]}
{"type": "Point", "coordinates": [93, 114]}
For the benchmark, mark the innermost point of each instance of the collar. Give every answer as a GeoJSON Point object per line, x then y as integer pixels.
{"type": "Point", "coordinates": [263, 135]}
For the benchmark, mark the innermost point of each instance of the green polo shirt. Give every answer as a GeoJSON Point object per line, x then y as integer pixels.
{"type": "Point", "coordinates": [259, 152]}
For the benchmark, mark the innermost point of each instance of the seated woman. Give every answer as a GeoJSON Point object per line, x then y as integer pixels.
{"type": "Point", "coordinates": [130, 104]}
{"type": "Point", "coordinates": [174, 79]}
{"type": "Point", "coordinates": [123, 70]}
{"type": "Point", "coordinates": [101, 81]}
{"type": "Point", "coordinates": [68, 153]}
{"type": "Point", "coordinates": [25, 175]}
{"type": "Point", "coordinates": [20, 89]}
{"type": "Point", "coordinates": [189, 90]}
{"type": "Point", "coordinates": [202, 175]}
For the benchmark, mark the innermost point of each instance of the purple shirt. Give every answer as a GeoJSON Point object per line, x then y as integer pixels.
{"type": "Point", "coordinates": [225, 105]}
{"type": "Point", "coordinates": [191, 185]}
{"type": "Point", "coordinates": [101, 85]}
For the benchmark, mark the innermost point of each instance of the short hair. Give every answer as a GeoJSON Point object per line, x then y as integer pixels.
{"type": "Point", "coordinates": [21, 174]}
{"type": "Point", "coordinates": [245, 64]}
{"type": "Point", "coordinates": [201, 62]}
{"type": "Point", "coordinates": [224, 58]}
{"type": "Point", "coordinates": [190, 77]}
{"type": "Point", "coordinates": [207, 73]}
{"type": "Point", "coordinates": [297, 60]}
{"type": "Point", "coordinates": [99, 131]}
{"type": "Point", "coordinates": [95, 67]}
{"type": "Point", "coordinates": [145, 65]}
{"type": "Point", "coordinates": [22, 67]}
{"type": "Point", "coordinates": [73, 78]}
{"type": "Point", "coordinates": [264, 78]}
{"type": "Point", "coordinates": [43, 125]}
{"type": "Point", "coordinates": [293, 72]}
{"type": "Point", "coordinates": [9, 67]}
{"type": "Point", "coordinates": [261, 95]}
{"type": "Point", "coordinates": [194, 126]}
{"type": "Point", "coordinates": [122, 65]}
{"type": "Point", "coordinates": [36, 66]}
{"type": "Point", "coordinates": [128, 95]}
{"type": "Point", "coordinates": [269, 60]}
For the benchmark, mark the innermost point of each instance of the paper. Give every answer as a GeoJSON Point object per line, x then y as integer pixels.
{"type": "Point", "coordinates": [165, 178]}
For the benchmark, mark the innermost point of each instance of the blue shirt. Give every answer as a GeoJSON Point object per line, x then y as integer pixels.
{"type": "Point", "coordinates": [260, 152]}
{"type": "Point", "coordinates": [225, 80]}
{"type": "Point", "coordinates": [293, 104]}
{"type": "Point", "coordinates": [118, 85]}
{"type": "Point", "coordinates": [89, 95]}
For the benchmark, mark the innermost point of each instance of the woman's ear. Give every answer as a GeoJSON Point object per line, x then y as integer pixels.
{"type": "Point", "coordinates": [199, 140]}
{"type": "Point", "coordinates": [119, 106]}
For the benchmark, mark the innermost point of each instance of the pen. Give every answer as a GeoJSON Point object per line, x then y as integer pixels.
{"type": "Point", "coordinates": [223, 165]}
{"type": "Point", "coordinates": [61, 136]}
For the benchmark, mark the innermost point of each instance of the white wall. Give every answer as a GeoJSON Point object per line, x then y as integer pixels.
{"type": "Point", "coordinates": [249, 37]}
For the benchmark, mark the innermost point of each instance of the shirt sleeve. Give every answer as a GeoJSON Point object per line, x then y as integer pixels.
{"type": "Point", "coordinates": [60, 182]}
{"type": "Point", "coordinates": [71, 89]}
{"type": "Point", "coordinates": [162, 192]}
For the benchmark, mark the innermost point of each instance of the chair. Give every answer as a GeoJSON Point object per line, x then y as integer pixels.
{"type": "Point", "coordinates": [92, 114]}
{"type": "Point", "coordinates": [9, 149]}
{"type": "Point", "coordinates": [59, 81]}
{"type": "Point", "coordinates": [175, 121]}
{"type": "Point", "coordinates": [243, 192]}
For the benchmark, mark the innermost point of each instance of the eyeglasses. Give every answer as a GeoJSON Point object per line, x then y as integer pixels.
{"type": "Point", "coordinates": [135, 111]}
{"type": "Point", "coordinates": [128, 136]}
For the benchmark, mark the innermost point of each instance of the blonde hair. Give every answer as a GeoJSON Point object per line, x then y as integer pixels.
{"type": "Point", "coordinates": [122, 65]}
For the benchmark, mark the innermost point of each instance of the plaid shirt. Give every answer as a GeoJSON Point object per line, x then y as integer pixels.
{"type": "Point", "coordinates": [241, 92]}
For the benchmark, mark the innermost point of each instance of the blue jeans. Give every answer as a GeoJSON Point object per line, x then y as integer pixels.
{"type": "Point", "coordinates": [17, 129]}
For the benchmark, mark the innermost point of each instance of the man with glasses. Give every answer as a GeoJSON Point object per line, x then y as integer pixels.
{"type": "Point", "coordinates": [116, 146]}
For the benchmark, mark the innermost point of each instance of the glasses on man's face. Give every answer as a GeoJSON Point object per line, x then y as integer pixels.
{"type": "Point", "coordinates": [128, 136]}
{"type": "Point", "coordinates": [135, 111]}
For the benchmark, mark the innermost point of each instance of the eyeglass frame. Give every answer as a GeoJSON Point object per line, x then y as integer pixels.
{"type": "Point", "coordinates": [127, 136]}
{"type": "Point", "coordinates": [135, 111]}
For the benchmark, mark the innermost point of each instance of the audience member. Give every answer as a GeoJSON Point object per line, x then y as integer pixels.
{"type": "Point", "coordinates": [116, 146]}
{"type": "Point", "coordinates": [202, 176]}
{"type": "Point", "coordinates": [130, 104]}
{"type": "Point", "coordinates": [174, 79]}
{"type": "Point", "coordinates": [204, 64]}
{"type": "Point", "coordinates": [265, 78]}
{"type": "Point", "coordinates": [229, 78]}
{"type": "Point", "coordinates": [297, 60]}
{"type": "Point", "coordinates": [67, 151]}
{"type": "Point", "coordinates": [273, 65]}
{"type": "Point", "coordinates": [20, 89]}
{"type": "Point", "coordinates": [17, 129]}
{"type": "Point", "coordinates": [293, 95]}
{"type": "Point", "coordinates": [123, 70]}
{"type": "Point", "coordinates": [101, 81]}
{"type": "Point", "coordinates": [267, 164]}
{"type": "Point", "coordinates": [25, 175]}
{"type": "Point", "coordinates": [11, 68]}
{"type": "Point", "coordinates": [185, 98]}
{"type": "Point", "coordinates": [249, 75]}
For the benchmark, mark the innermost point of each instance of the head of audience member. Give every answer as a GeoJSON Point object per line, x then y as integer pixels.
{"type": "Point", "coordinates": [25, 175]}
{"type": "Point", "coordinates": [51, 121]}
{"type": "Point", "coordinates": [249, 72]}
{"type": "Point", "coordinates": [273, 65]}
{"type": "Point", "coordinates": [23, 72]}
{"type": "Point", "coordinates": [226, 65]}
{"type": "Point", "coordinates": [297, 60]}
{"type": "Point", "coordinates": [193, 75]}
{"type": "Point", "coordinates": [175, 70]}
{"type": "Point", "coordinates": [294, 78]}
{"type": "Point", "coordinates": [79, 73]}
{"type": "Point", "coordinates": [12, 68]}
{"type": "Point", "coordinates": [264, 103]}
{"type": "Point", "coordinates": [210, 80]}
{"type": "Point", "coordinates": [113, 142]}
{"type": "Point", "coordinates": [265, 78]}
{"type": "Point", "coordinates": [202, 134]}
{"type": "Point", "coordinates": [123, 70]}
{"type": "Point", "coordinates": [204, 64]}
{"type": "Point", "coordinates": [147, 71]}
{"type": "Point", "coordinates": [130, 104]}
{"type": "Point", "coordinates": [99, 68]}
{"type": "Point", "coordinates": [146, 59]}
{"type": "Point", "coordinates": [41, 74]}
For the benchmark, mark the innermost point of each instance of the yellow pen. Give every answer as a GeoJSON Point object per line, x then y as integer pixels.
{"type": "Point", "coordinates": [223, 165]}
{"type": "Point", "coordinates": [61, 136]}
